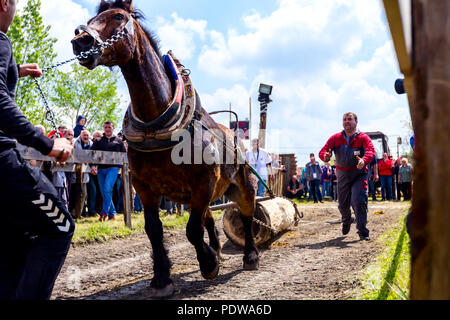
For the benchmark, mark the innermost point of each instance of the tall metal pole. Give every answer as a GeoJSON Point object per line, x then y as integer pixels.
{"type": "Point", "coordinates": [262, 130]}
{"type": "Point", "coordinates": [264, 98]}
{"type": "Point", "coordinates": [250, 121]}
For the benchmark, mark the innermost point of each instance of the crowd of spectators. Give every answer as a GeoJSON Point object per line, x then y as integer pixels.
{"type": "Point", "coordinates": [89, 190]}
{"type": "Point", "coordinates": [315, 182]}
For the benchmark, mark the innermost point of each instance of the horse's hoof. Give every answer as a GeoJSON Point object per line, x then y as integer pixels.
{"type": "Point", "coordinates": [251, 266]}
{"type": "Point", "coordinates": [161, 293]}
{"type": "Point", "coordinates": [220, 258]}
{"type": "Point", "coordinates": [251, 262]}
{"type": "Point", "coordinates": [212, 275]}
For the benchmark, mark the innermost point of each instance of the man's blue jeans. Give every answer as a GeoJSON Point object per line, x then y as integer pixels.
{"type": "Point", "coordinates": [326, 188]}
{"type": "Point", "coordinates": [106, 180]}
{"type": "Point", "coordinates": [137, 204]}
{"type": "Point", "coordinates": [315, 190]}
{"type": "Point", "coordinates": [386, 184]}
{"type": "Point", "coordinates": [261, 189]}
{"type": "Point", "coordinates": [372, 190]}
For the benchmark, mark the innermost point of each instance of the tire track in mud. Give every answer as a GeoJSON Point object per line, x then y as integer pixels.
{"type": "Point", "coordinates": [310, 261]}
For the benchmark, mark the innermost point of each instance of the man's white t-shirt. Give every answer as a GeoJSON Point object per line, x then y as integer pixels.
{"type": "Point", "coordinates": [259, 161]}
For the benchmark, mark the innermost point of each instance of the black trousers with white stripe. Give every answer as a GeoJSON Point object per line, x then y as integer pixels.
{"type": "Point", "coordinates": [35, 234]}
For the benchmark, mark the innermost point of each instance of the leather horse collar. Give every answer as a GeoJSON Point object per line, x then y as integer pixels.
{"type": "Point", "coordinates": [156, 135]}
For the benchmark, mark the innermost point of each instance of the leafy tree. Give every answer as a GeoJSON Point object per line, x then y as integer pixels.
{"type": "Point", "coordinates": [32, 44]}
{"type": "Point", "coordinates": [92, 94]}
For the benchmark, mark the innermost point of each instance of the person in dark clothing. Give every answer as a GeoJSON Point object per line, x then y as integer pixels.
{"type": "Point", "coordinates": [38, 228]}
{"type": "Point", "coordinates": [373, 178]}
{"type": "Point", "coordinates": [313, 174]}
{"type": "Point", "coordinates": [294, 188]}
{"type": "Point", "coordinates": [81, 122]}
{"type": "Point", "coordinates": [107, 174]}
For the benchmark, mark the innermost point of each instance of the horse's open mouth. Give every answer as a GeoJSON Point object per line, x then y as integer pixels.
{"type": "Point", "coordinates": [89, 62]}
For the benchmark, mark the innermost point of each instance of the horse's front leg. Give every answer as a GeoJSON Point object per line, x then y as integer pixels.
{"type": "Point", "coordinates": [162, 285]}
{"type": "Point", "coordinates": [206, 256]}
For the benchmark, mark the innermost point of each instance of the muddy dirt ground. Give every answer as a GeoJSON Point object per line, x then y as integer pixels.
{"type": "Point", "coordinates": [311, 261]}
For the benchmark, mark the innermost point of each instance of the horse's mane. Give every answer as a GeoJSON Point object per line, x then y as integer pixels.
{"type": "Point", "coordinates": [136, 14]}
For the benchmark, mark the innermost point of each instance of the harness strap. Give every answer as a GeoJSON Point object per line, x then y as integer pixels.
{"type": "Point", "coordinates": [94, 34]}
{"type": "Point", "coordinates": [156, 135]}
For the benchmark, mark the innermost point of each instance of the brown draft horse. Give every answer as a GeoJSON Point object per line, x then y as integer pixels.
{"type": "Point", "coordinates": [154, 174]}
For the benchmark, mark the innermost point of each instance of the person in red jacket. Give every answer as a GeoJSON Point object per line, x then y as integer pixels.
{"type": "Point", "coordinates": [354, 151]}
{"type": "Point", "coordinates": [385, 172]}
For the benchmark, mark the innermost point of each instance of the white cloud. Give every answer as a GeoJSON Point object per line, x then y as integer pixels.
{"type": "Point", "coordinates": [304, 29]}
{"type": "Point", "coordinates": [323, 57]}
{"type": "Point", "coordinates": [221, 99]}
{"type": "Point", "coordinates": [63, 16]}
{"type": "Point", "coordinates": [179, 35]}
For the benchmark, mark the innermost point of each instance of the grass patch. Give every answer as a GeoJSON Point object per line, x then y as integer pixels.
{"type": "Point", "coordinates": [90, 230]}
{"type": "Point", "coordinates": [388, 278]}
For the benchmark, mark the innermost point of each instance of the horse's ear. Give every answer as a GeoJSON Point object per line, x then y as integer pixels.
{"type": "Point", "coordinates": [128, 4]}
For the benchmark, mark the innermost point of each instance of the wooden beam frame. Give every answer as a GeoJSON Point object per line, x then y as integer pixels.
{"type": "Point", "coordinates": [396, 26]}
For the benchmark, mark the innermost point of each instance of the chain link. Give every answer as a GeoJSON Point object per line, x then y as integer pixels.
{"type": "Point", "coordinates": [297, 217]}
{"type": "Point", "coordinates": [265, 225]}
{"type": "Point", "coordinates": [86, 54]}
{"type": "Point", "coordinates": [49, 114]}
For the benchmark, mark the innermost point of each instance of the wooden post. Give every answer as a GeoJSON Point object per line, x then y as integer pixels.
{"type": "Point", "coordinates": [126, 195]}
{"type": "Point", "coordinates": [430, 219]}
{"type": "Point", "coordinates": [262, 130]}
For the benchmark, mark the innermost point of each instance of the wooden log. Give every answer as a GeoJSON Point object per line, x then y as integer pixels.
{"type": "Point", "coordinates": [271, 217]}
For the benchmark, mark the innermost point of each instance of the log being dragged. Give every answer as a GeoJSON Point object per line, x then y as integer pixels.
{"type": "Point", "coordinates": [271, 217]}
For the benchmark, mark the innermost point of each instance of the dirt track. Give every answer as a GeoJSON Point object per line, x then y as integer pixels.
{"type": "Point", "coordinates": [311, 261]}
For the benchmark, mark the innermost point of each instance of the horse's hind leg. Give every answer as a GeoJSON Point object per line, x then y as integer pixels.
{"type": "Point", "coordinates": [213, 233]}
{"type": "Point", "coordinates": [243, 193]}
{"type": "Point", "coordinates": [206, 256]}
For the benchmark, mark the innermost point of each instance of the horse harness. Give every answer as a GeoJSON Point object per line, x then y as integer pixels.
{"type": "Point", "coordinates": [183, 113]}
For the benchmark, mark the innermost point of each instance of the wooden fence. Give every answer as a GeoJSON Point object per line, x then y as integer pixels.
{"type": "Point", "coordinates": [95, 158]}
{"type": "Point", "coordinates": [277, 185]}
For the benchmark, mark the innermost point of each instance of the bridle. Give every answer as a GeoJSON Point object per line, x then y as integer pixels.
{"type": "Point", "coordinates": [128, 29]}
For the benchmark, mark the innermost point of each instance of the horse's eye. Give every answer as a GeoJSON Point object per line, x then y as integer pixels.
{"type": "Point", "coordinates": [119, 17]}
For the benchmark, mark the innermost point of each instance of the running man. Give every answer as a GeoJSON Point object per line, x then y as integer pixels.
{"type": "Point", "coordinates": [353, 151]}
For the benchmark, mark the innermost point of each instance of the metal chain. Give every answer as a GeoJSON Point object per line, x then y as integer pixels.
{"type": "Point", "coordinates": [49, 114]}
{"type": "Point", "coordinates": [297, 217]}
{"type": "Point", "coordinates": [257, 221]}
{"type": "Point", "coordinates": [86, 54]}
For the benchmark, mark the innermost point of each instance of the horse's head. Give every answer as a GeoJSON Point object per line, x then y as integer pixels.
{"type": "Point", "coordinates": [114, 21]}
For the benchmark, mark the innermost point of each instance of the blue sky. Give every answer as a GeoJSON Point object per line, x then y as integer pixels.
{"type": "Point", "coordinates": [323, 57]}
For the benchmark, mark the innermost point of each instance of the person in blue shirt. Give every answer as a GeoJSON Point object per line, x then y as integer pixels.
{"type": "Point", "coordinates": [313, 174]}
